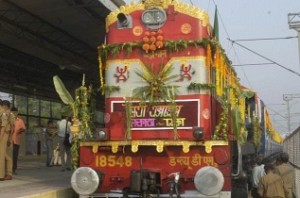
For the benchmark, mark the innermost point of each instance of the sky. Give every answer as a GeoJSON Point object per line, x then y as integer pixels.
{"type": "Point", "coordinates": [256, 20]}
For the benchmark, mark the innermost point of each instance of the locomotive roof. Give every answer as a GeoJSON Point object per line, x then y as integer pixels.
{"type": "Point", "coordinates": [181, 7]}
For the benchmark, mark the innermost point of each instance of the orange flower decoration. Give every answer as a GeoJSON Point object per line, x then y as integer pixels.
{"type": "Point", "coordinates": [153, 33]}
{"type": "Point", "coordinates": [147, 33]}
{"type": "Point", "coordinates": [153, 39]}
{"type": "Point", "coordinates": [159, 44]}
{"type": "Point", "coordinates": [152, 47]}
{"type": "Point", "coordinates": [146, 47]}
{"type": "Point", "coordinates": [146, 39]}
{"type": "Point", "coordinates": [160, 38]}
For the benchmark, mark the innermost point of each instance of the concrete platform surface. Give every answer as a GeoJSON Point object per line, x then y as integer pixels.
{"type": "Point", "coordinates": [35, 180]}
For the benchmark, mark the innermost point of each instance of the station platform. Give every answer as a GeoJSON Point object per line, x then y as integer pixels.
{"type": "Point", "coordinates": [35, 180]}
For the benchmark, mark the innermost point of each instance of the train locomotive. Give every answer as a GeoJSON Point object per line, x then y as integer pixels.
{"type": "Point", "coordinates": [177, 121]}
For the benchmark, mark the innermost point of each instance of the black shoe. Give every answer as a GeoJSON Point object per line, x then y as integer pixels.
{"type": "Point", "coordinates": [1, 179]}
{"type": "Point", "coordinates": [68, 169]}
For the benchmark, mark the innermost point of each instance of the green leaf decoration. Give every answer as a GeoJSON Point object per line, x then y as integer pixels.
{"type": "Point", "coordinates": [238, 126]}
{"type": "Point", "coordinates": [108, 90]}
{"type": "Point", "coordinates": [236, 121]}
{"type": "Point", "coordinates": [247, 94]}
{"type": "Point", "coordinates": [200, 86]}
{"type": "Point", "coordinates": [157, 87]}
{"type": "Point", "coordinates": [63, 93]}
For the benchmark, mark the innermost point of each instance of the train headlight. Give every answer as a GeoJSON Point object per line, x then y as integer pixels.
{"type": "Point", "coordinates": [85, 181]}
{"type": "Point", "coordinates": [209, 180]}
{"type": "Point", "coordinates": [198, 133]}
{"type": "Point", "coordinates": [101, 134]}
{"type": "Point", "coordinates": [124, 21]}
{"type": "Point", "coordinates": [154, 18]}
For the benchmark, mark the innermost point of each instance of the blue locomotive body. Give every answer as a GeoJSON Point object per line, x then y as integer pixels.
{"type": "Point", "coordinates": [262, 138]}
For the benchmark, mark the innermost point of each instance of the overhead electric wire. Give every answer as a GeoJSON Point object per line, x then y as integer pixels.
{"type": "Point", "coordinates": [267, 39]}
{"type": "Point", "coordinates": [276, 113]}
{"type": "Point", "coordinates": [252, 64]}
{"type": "Point", "coordinates": [264, 57]}
{"type": "Point", "coordinates": [238, 60]}
{"type": "Point", "coordinates": [232, 47]}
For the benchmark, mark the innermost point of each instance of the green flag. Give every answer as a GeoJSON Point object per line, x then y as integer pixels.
{"type": "Point", "coordinates": [216, 25]}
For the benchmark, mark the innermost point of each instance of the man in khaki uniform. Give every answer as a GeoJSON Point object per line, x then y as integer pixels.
{"type": "Point", "coordinates": [7, 127]}
{"type": "Point", "coordinates": [286, 171]}
{"type": "Point", "coordinates": [3, 140]}
{"type": "Point", "coordinates": [271, 185]}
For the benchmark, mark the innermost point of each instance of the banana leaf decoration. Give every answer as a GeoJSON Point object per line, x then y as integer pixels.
{"type": "Point", "coordinates": [64, 94]}
{"type": "Point", "coordinates": [66, 97]}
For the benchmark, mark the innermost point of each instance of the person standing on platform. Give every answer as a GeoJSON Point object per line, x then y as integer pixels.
{"type": "Point", "coordinates": [257, 173]}
{"type": "Point", "coordinates": [3, 140]}
{"type": "Point", "coordinates": [64, 128]}
{"type": "Point", "coordinates": [272, 185]}
{"type": "Point", "coordinates": [6, 148]}
{"type": "Point", "coordinates": [287, 173]}
{"type": "Point", "coordinates": [51, 133]}
{"type": "Point", "coordinates": [16, 137]}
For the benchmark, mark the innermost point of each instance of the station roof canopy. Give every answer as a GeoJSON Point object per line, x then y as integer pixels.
{"type": "Point", "coordinates": [43, 38]}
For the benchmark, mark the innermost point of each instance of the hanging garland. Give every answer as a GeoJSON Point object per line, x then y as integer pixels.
{"type": "Point", "coordinates": [101, 71]}
{"type": "Point", "coordinates": [173, 112]}
{"type": "Point", "coordinates": [157, 90]}
{"type": "Point", "coordinates": [222, 126]}
{"type": "Point", "coordinates": [238, 126]}
{"type": "Point", "coordinates": [200, 86]}
{"type": "Point", "coordinates": [128, 111]}
{"type": "Point", "coordinates": [109, 89]}
{"type": "Point", "coordinates": [177, 45]}
{"type": "Point", "coordinates": [257, 131]}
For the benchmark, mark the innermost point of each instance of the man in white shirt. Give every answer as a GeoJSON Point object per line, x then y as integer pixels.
{"type": "Point", "coordinates": [257, 173]}
{"type": "Point", "coordinates": [64, 127]}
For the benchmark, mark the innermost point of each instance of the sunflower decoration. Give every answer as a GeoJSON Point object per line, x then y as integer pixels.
{"type": "Point", "coordinates": [158, 86]}
{"type": "Point", "coordinates": [153, 40]}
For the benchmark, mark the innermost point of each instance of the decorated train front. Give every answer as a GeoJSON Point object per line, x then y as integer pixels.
{"type": "Point", "coordinates": [171, 97]}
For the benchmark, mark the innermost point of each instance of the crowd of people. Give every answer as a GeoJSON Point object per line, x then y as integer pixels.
{"type": "Point", "coordinates": [273, 180]}
{"type": "Point", "coordinates": [11, 129]}
{"type": "Point", "coordinates": [12, 126]}
{"type": "Point", "coordinates": [59, 133]}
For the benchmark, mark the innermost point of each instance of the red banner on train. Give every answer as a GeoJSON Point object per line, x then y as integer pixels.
{"type": "Point", "coordinates": [157, 117]}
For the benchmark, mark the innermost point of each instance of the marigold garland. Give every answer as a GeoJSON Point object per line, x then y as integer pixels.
{"type": "Point", "coordinates": [152, 41]}
{"type": "Point", "coordinates": [215, 57]}
{"type": "Point", "coordinates": [256, 131]}
{"type": "Point", "coordinates": [101, 74]}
